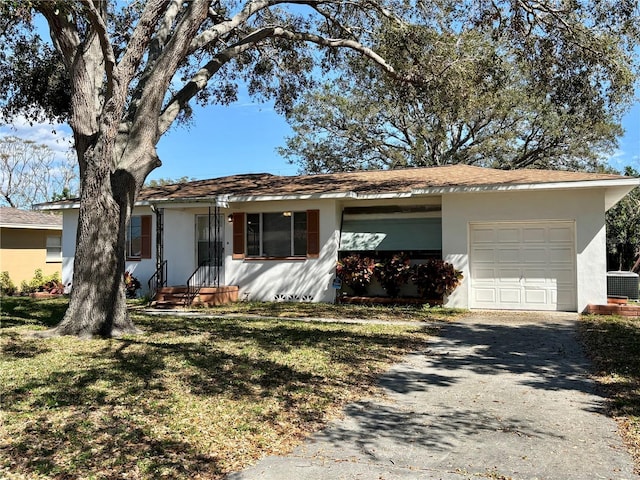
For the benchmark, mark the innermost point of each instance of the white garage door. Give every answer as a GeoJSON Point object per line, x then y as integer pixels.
{"type": "Point", "coordinates": [523, 266]}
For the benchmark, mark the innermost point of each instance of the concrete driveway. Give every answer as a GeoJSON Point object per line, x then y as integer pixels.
{"type": "Point", "coordinates": [497, 395]}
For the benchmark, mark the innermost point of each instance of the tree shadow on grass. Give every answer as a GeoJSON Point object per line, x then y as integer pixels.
{"type": "Point", "coordinates": [25, 311]}
{"type": "Point", "coordinates": [111, 446]}
{"type": "Point", "coordinates": [613, 345]}
{"type": "Point", "coordinates": [105, 401]}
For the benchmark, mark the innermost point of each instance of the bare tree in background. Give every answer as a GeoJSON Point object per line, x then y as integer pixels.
{"type": "Point", "coordinates": [32, 173]}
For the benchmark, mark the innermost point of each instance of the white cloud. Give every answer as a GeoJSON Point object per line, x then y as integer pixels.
{"type": "Point", "coordinates": [57, 137]}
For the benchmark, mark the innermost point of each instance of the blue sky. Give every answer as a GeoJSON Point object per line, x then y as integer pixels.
{"type": "Point", "coordinates": [243, 137]}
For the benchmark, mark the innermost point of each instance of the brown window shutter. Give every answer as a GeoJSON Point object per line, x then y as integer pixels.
{"type": "Point", "coordinates": [145, 236]}
{"type": "Point", "coordinates": [238, 236]}
{"type": "Point", "coordinates": [313, 233]}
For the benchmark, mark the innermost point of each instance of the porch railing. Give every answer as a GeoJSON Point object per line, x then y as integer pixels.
{"type": "Point", "coordinates": [158, 280]}
{"type": "Point", "coordinates": [196, 282]}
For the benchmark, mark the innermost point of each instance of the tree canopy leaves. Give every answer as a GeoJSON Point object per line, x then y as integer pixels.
{"type": "Point", "coordinates": [508, 87]}
{"type": "Point", "coordinates": [623, 229]}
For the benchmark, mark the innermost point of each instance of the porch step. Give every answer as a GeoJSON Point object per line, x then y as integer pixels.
{"type": "Point", "coordinates": [174, 297]}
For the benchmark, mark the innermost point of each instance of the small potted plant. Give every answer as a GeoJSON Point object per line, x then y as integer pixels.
{"type": "Point", "coordinates": [435, 278]}
{"type": "Point", "coordinates": [356, 272]}
{"type": "Point", "coordinates": [393, 273]}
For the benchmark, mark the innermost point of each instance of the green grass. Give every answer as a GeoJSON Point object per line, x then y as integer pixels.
{"type": "Point", "coordinates": [326, 310]}
{"type": "Point", "coordinates": [613, 344]}
{"type": "Point", "coordinates": [190, 398]}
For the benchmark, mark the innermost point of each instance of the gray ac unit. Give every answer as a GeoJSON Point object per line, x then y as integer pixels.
{"type": "Point", "coordinates": [623, 284]}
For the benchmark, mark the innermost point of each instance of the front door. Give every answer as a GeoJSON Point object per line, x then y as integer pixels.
{"type": "Point", "coordinates": [209, 250]}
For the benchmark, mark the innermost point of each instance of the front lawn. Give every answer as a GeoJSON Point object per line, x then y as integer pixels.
{"type": "Point", "coordinates": [613, 344]}
{"type": "Point", "coordinates": [345, 311]}
{"type": "Point", "coordinates": [191, 398]}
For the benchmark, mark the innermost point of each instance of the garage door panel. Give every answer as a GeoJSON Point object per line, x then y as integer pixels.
{"type": "Point", "coordinates": [533, 235]}
{"type": "Point", "coordinates": [508, 235]}
{"type": "Point", "coordinates": [483, 235]}
{"type": "Point", "coordinates": [485, 255]}
{"type": "Point", "coordinates": [561, 255]}
{"type": "Point", "coordinates": [536, 297]}
{"type": "Point", "coordinates": [485, 295]}
{"type": "Point", "coordinates": [510, 296]}
{"type": "Point", "coordinates": [533, 255]}
{"type": "Point", "coordinates": [560, 234]}
{"type": "Point", "coordinates": [523, 266]}
{"type": "Point", "coordinates": [508, 255]}
{"type": "Point", "coordinates": [563, 276]}
{"type": "Point", "coordinates": [565, 298]}
{"type": "Point", "coordinates": [535, 276]}
{"type": "Point", "coordinates": [486, 275]}
{"type": "Point", "coordinates": [507, 275]}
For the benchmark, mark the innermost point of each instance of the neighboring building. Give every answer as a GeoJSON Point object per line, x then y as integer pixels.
{"type": "Point", "coordinates": [29, 241]}
{"type": "Point", "coordinates": [524, 239]}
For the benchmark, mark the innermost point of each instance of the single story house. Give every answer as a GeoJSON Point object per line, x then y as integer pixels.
{"type": "Point", "coordinates": [29, 241]}
{"type": "Point", "coordinates": [524, 239]}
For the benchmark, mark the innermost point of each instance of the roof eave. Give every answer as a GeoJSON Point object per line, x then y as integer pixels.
{"type": "Point", "coordinates": [27, 226]}
{"type": "Point", "coordinates": [629, 182]}
{"type": "Point", "coordinates": [57, 206]}
{"type": "Point", "coordinates": [617, 185]}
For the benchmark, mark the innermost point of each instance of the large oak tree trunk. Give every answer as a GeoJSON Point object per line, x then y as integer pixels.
{"type": "Point", "coordinates": [98, 302]}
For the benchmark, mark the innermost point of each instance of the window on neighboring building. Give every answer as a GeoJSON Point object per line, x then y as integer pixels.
{"type": "Point", "coordinates": [54, 248]}
{"type": "Point", "coordinates": [279, 235]}
{"type": "Point", "coordinates": [139, 237]}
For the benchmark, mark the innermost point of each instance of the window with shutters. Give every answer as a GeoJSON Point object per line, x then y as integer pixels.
{"type": "Point", "coordinates": [139, 237]}
{"type": "Point", "coordinates": [276, 235]}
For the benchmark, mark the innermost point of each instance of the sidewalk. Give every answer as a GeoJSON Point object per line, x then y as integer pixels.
{"type": "Point", "coordinates": [498, 396]}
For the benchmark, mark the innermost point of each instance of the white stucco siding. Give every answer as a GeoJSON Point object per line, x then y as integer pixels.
{"type": "Point", "coordinates": [584, 207]}
{"type": "Point", "coordinates": [308, 278]}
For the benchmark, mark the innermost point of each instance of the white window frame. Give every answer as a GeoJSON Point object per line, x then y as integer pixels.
{"type": "Point", "coordinates": [54, 249]}
{"type": "Point", "coordinates": [291, 215]}
{"type": "Point", "coordinates": [130, 238]}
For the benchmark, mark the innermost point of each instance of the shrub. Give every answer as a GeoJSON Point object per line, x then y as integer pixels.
{"type": "Point", "coordinates": [7, 287]}
{"type": "Point", "coordinates": [52, 284]}
{"type": "Point", "coordinates": [40, 283]}
{"type": "Point", "coordinates": [356, 272]}
{"type": "Point", "coordinates": [435, 278]}
{"type": "Point", "coordinates": [393, 273]}
{"type": "Point", "coordinates": [35, 284]}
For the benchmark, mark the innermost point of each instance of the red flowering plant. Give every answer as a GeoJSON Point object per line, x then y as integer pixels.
{"type": "Point", "coordinates": [435, 278]}
{"type": "Point", "coordinates": [131, 285]}
{"type": "Point", "coordinates": [356, 272]}
{"type": "Point", "coordinates": [393, 273]}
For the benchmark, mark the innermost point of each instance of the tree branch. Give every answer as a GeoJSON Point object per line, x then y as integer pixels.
{"type": "Point", "coordinates": [337, 43]}
{"type": "Point", "coordinates": [96, 18]}
{"type": "Point", "coordinates": [201, 78]}
{"type": "Point", "coordinates": [64, 34]}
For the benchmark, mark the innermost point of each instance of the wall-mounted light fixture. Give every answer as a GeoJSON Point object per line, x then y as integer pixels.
{"type": "Point", "coordinates": [230, 218]}
{"type": "Point", "coordinates": [286, 214]}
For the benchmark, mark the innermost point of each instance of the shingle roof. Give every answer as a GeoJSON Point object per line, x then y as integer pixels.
{"type": "Point", "coordinates": [364, 182]}
{"type": "Point", "coordinates": [13, 217]}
